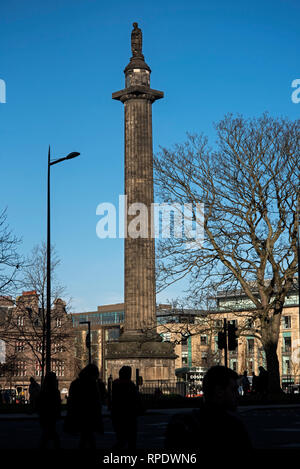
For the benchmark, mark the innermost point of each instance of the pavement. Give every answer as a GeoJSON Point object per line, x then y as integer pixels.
{"type": "Point", "coordinates": [106, 413]}
{"type": "Point", "coordinates": [271, 427]}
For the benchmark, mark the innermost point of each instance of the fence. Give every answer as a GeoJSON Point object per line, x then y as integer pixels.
{"type": "Point", "coordinates": [158, 389]}
{"type": "Point", "coordinates": [291, 384]}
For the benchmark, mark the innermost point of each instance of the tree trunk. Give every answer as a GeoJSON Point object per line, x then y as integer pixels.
{"type": "Point", "coordinates": [273, 368]}
{"type": "Point", "coordinates": [269, 337]}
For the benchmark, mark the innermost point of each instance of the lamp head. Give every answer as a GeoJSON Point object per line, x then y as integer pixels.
{"type": "Point", "coordinates": [71, 155]}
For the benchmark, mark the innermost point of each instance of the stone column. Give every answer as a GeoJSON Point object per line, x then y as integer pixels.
{"type": "Point", "coordinates": [143, 342]}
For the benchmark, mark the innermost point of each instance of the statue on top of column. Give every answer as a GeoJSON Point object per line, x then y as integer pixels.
{"type": "Point", "coordinates": [136, 41]}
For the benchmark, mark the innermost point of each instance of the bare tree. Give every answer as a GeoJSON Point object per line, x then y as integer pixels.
{"type": "Point", "coordinates": [27, 322]}
{"type": "Point", "coordinates": [249, 185]}
{"type": "Point", "coordinates": [10, 260]}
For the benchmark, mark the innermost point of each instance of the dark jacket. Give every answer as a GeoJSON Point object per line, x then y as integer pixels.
{"type": "Point", "coordinates": [125, 400]}
{"type": "Point", "coordinates": [84, 407]}
{"type": "Point", "coordinates": [49, 406]}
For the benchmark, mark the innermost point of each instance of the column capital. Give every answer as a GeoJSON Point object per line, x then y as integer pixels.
{"type": "Point", "coordinates": [140, 92]}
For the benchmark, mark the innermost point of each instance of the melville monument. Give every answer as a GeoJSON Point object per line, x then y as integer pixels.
{"type": "Point", "coordinates": [139, 345]}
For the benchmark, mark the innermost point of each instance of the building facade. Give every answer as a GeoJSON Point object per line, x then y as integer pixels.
{"type": "Point", "coordinates": [106, 324]}
{"type": "Point", "coordinates": [195, 336]}
{"type": "Point", "coordinates": [22, 335]}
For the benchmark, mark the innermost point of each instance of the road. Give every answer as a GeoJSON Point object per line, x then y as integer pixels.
{"type": "Point", "coordinates": [274, 427]}
{"type": "Point", "coordinates": [269, 428]}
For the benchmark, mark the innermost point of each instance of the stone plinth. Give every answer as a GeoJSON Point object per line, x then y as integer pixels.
{"type": "Point", "coordinates": [154, 360]}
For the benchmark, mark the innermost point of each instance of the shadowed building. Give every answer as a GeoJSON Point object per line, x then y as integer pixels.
{"type": "Point", "coordinates": [22, 343]}
{"type": "Point", "coordinates": [139, 345]}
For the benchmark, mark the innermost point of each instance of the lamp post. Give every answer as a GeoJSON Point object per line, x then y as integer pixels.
{"type": "Point", "coordinates": [48, 309]}
{"type": "Point", "coordinates": [88, 339]}
{"type": "Point", "coordinates": [298, 252]}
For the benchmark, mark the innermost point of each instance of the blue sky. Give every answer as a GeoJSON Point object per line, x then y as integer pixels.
{"type": "Point", "coordinates": [61, 60]}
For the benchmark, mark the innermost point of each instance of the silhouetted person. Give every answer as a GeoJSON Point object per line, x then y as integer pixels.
{"type": "Point", "coordinates": [6, 397]}
{"type": "Point", "coordinates": [34, 391]}
{"type": "Point", "coordinates": [262, 383]}
{"type": "Point", "coordinates": [49, 408]}
{"type": "Point", "coordinates": [84, 414]}
{"type": "Point", "coordinates": [109, 391]}
{"type": "Point", "coordinates": [254, 383]}
{"type": "Point", "coordinates": [245, 383]}
{"type": "Point", "coordinates": [124, 409]}
{"type": "Point", "coordinates": [102, 391]}
{"type": "Point", "coordinates": [214, 426]}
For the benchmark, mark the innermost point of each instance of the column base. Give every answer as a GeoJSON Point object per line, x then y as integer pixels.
{"type": "Point", "coordinates": [154, 360]}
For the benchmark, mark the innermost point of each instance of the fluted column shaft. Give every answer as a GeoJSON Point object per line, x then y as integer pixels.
{"type": "Point", "coordinates": [139, 252]}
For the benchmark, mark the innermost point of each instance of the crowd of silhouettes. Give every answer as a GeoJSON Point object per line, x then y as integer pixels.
{"type": "Point", "coordinates": [258, 385]}
{"type": "Point", "coordinates": [213, 425]}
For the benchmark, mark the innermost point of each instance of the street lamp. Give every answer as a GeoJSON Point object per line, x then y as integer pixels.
{"type": "Point", "coordinates": [88, 339]}
{"type": "Point", "coordinates": [48, 310]}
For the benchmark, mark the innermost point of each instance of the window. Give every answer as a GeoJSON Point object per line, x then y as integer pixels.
{"type": "Point", "coordinates": [20, 346]}
{"type": "Point", "coordinates": [58, 322]}
{"type": "Point", "coordinates": [57, 348]}
{"type": "Point", "coordinates": [250, 345]}
{"type": "Point", "coordinates": [286, 367]}
{"type": "Point", "coordinates": [234, 365]}
{"type": "Point", "coordinates": [216, 344]}
{"type": "Point", "coordinates": [287, 344]}
{"type": "Point", "coordinates": [203, 340]}
{"type": "Point", "coordinates": [287, 323]}
{"type": "Point", "coordinates": [39, 348]}
{"type": "Point", "coordinates": [58, 367]}
{"type": "Point", "coordinates": [38, 369]}
{"type": "Point", "coordinates": [19, 369]}
{"type": "Point", "coordinates": [218, 323]}
{"type": "Point", "coordinates": [20, 321]}
{"type": "Point", "coordinates": [184, 342]}
{"type": "Point", "coordinates": [250, 323]}
{"type": "Point", "coordinates": [112, 334]}
{"type": "Point", "coordinates": [233, 322]}
{"type": "Point", "coordinates": [166, 336]}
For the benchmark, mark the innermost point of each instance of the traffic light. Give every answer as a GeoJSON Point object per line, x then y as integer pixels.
{"type": "Point", "coordinates": [221, 340]}
{"type": "Point", "coordinates": [88, 340]}
{"type": "Point", "coordinates": [232, 338]}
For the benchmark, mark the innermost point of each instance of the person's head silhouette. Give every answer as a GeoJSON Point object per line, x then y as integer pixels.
{"type": "Point", "coordinates": [125, 372]}
{"type": "Point", "coordinates": [220, 388]}
{"type": "Point", "coordinates": [90, 372]}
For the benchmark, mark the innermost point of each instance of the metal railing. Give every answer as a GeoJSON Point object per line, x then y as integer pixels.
{"type": "Point", "coordinates": [290, 384]}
